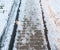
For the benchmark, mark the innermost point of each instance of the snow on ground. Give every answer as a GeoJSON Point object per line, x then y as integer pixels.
{"type": "Point", "coordinates": [51, 10]}
{"type": "Point", "coordinates": [11, 13]}
{"type": "Point", "coordinates": [7, 4]}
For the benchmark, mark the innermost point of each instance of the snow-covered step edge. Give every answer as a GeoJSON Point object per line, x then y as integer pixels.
{"type": "Point", "coordinates": [19, 24]}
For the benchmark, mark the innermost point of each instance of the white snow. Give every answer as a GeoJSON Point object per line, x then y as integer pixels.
{"type": "Point", "coordinates": [52, 17]}
{"type": "Point", "coordinates": [9, 26]}
{"type": "Point", "coordinates": [4, 16]}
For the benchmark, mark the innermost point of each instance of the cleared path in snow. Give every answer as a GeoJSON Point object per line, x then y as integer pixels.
{"type": "Point", "coordinates": [28, 35]}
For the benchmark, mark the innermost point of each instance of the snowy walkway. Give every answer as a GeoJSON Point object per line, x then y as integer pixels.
{"type": "Point", "coordinates": [30, 9]}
